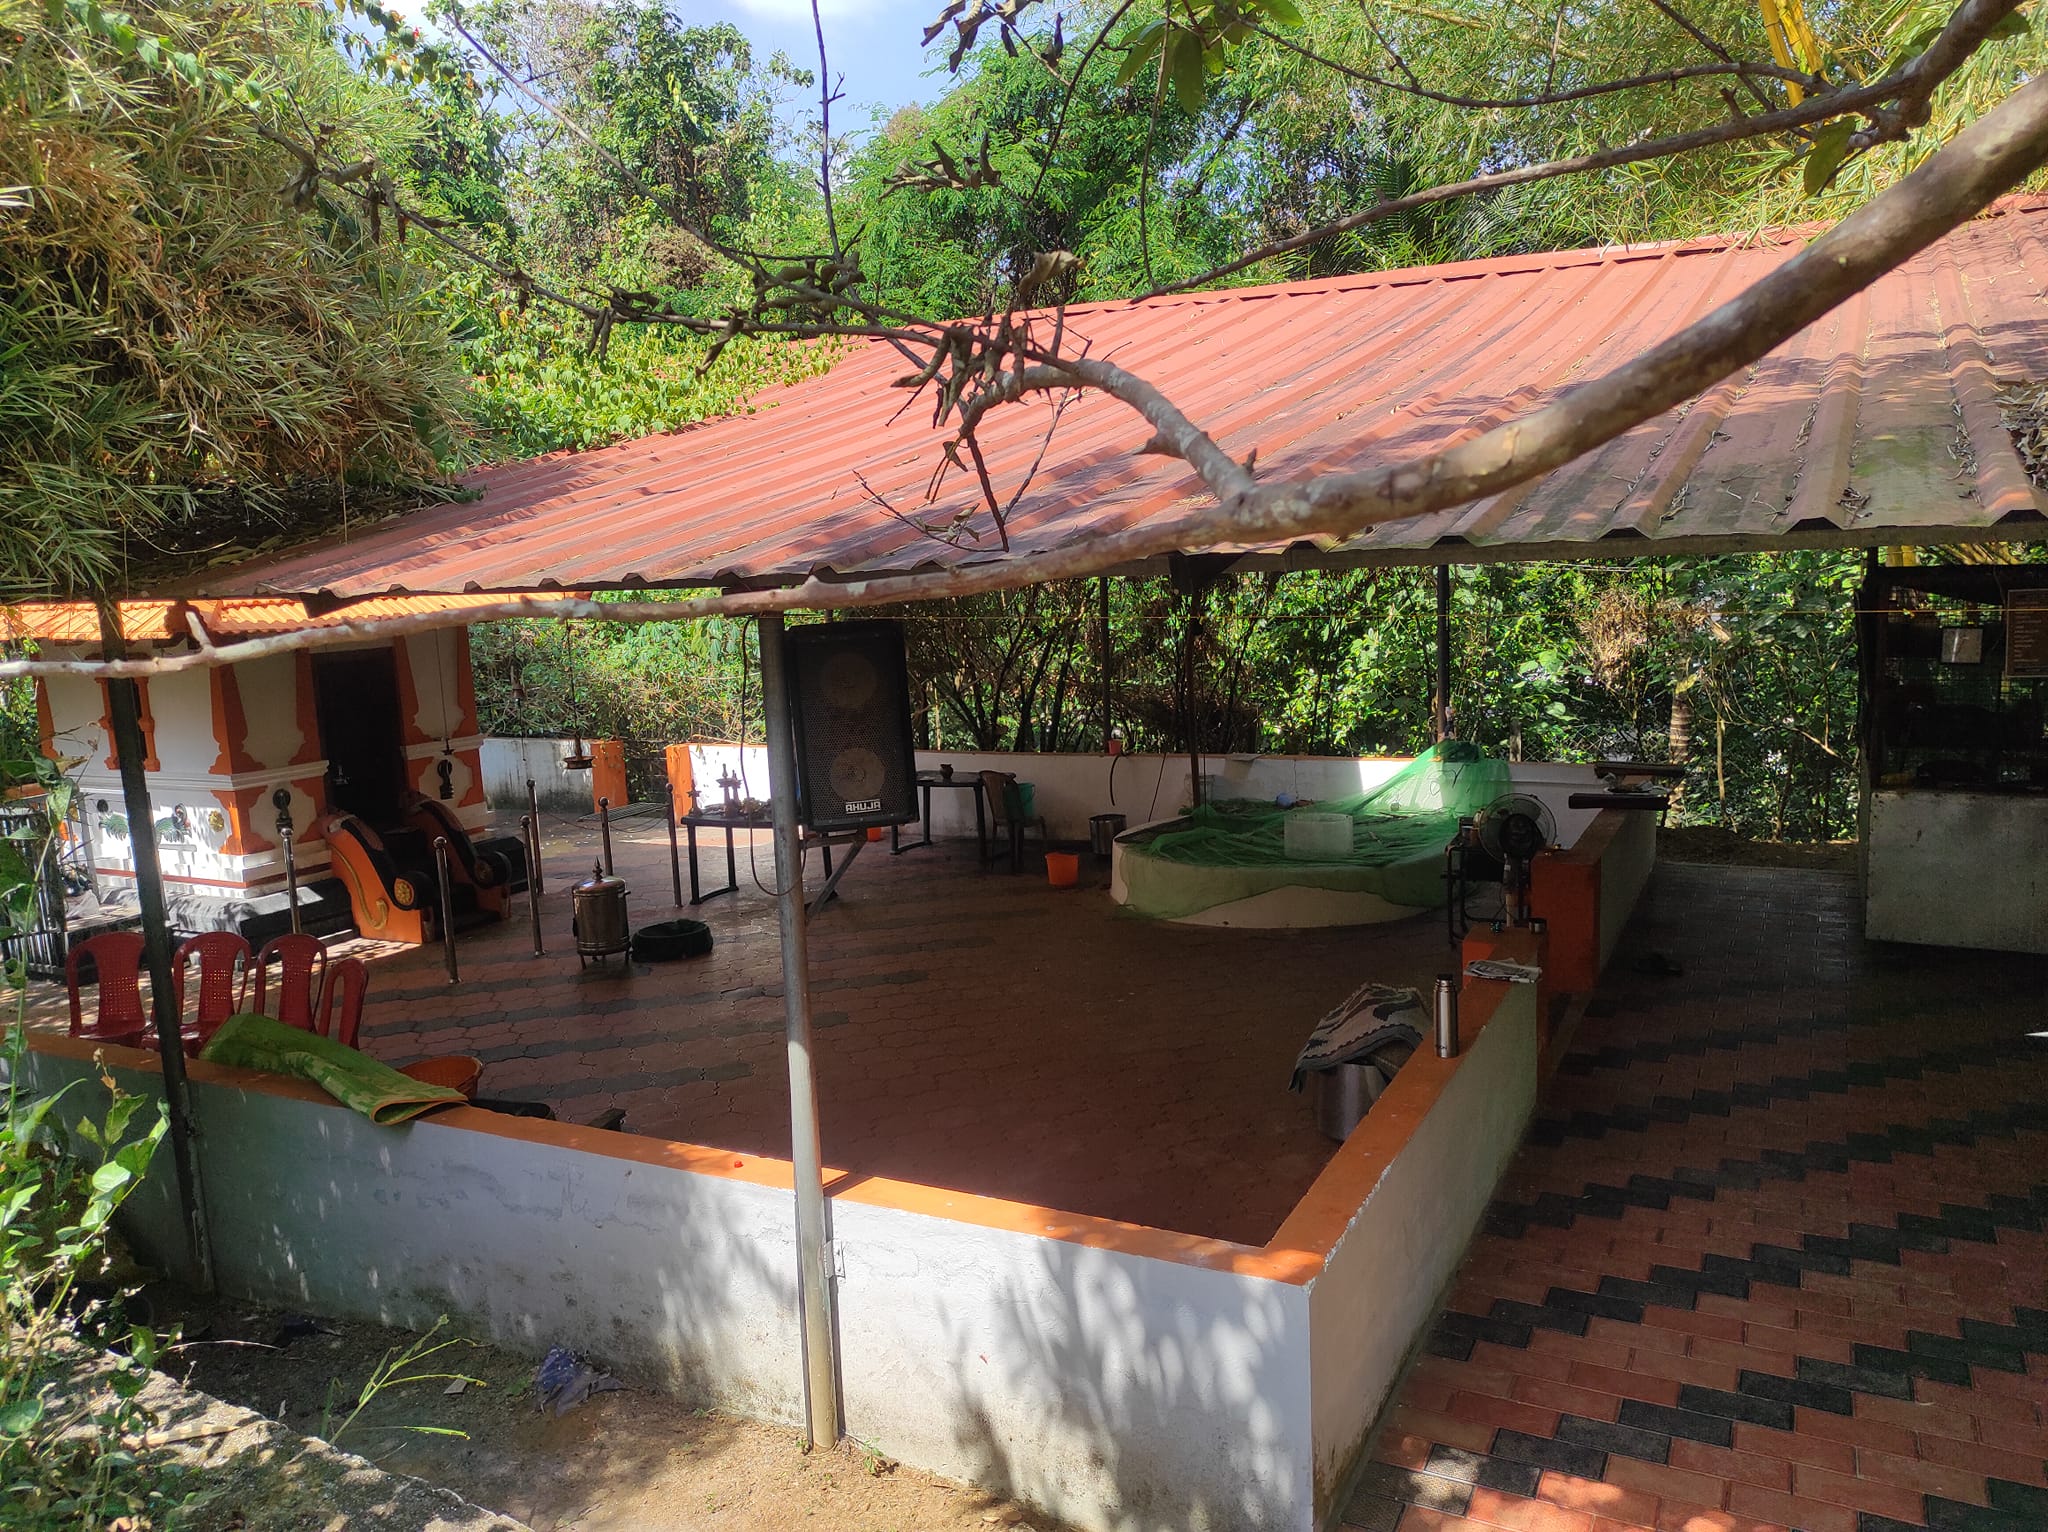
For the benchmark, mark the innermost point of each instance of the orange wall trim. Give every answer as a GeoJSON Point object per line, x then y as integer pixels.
{"type": "Point", "coordinates": [1295, 1254]}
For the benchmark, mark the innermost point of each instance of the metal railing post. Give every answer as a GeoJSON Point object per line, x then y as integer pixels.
{"type": "Point", "coordinates": [281, 800]}
{"type": "Point", "coordinates": [675, 858]}
{"type": "Point", "coordinates": [441, 876]}
{"type": "Point", "coordinates": [604, 829]}
{"type": "Point", "coordinates": [533, 873]}
{"type": "Point", "coordinates": [527, 833]}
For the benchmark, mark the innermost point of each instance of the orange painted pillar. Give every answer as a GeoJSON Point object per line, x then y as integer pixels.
{"type": "Point", "coordinates": [681, 778]}
{"type": "Point", "coordinates": [1565, 891]}
{"type": "Point", "coordinates": [608, 773]}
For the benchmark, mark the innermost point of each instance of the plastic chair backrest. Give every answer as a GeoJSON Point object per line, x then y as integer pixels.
{"type": "Point", "coordinates": [117, 964]}
{"type": "Point", "coordinates": [341, 1000]}
{"type": "Point", "coordinates": [224, 960]}
{"type": "Point", "coordinates": [301, 968]}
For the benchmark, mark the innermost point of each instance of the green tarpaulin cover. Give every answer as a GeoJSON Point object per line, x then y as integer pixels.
{"type": "Point", "coordinates": [357, 1081]}
{"type": "Point", "coordinates": [1228, 851]}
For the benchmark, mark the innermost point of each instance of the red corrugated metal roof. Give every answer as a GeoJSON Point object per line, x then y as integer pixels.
{"type": "Point", "coordinates": [1877, 424]}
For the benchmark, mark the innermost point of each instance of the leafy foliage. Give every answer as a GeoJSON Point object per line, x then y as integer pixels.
{"type": "Point", "coordinates": [71, 1454]}
{"type": "Point", "coordinates": [184, 355]}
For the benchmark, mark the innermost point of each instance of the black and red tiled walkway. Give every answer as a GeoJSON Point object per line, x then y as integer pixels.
{"type": "Point", "coordinates": [1772, 1256]}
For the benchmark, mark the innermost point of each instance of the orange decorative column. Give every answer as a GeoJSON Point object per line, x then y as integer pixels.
{"type": "Point", "coordinates": [682, 777]}
{"type": "Point", "coordinates": [608, 772]}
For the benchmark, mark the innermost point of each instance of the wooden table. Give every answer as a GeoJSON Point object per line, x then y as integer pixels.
{"type": "Point", "coordinates": [926, 781]}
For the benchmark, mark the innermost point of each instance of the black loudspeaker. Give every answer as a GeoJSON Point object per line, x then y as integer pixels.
{"type": "Point", "coordinates": [849, 694]}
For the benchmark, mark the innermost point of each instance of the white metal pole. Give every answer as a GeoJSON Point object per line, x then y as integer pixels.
{"type": "Point", "coordinates": [814, 1268]}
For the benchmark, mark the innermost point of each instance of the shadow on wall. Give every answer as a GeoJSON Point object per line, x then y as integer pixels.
{"type": "Point", "coordinates": [1155, 1413]}
{"type": "Point", "coordinates": [672, 1280]}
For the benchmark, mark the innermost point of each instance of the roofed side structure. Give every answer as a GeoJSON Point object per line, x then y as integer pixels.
{"type": "Point", "coordinates": [1881, 423]}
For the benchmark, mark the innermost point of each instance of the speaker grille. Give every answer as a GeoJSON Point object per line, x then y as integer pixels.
{"type": "Point", "coordinates": [850, 693]}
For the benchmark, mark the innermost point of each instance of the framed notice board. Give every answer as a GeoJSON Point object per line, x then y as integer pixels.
{"type": "Point", "coordinates": [2026, 633]}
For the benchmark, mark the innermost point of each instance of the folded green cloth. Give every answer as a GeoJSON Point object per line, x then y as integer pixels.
{"type": "Point", "coordinates": [357, 1081]}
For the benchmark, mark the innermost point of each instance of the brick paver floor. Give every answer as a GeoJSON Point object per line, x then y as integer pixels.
{"type": "Point", "coordinates": [1772, 1255]}
{"type": "Point", "coordinates": [975, 1030]}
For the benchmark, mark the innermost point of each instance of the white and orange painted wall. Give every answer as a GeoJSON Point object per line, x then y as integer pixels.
{"type": "Point", "coordinates": [220, 742]}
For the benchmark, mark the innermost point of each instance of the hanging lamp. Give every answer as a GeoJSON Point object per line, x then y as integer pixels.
{"type": "Point", "coordinates": [578, 758]}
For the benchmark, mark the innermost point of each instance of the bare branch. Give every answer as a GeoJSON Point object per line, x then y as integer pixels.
{"type": "Point", "coordinates": [1713, 47]}
{"type": "Point", "coordinates": [825, 95]}
{"type": "Point", "coordinates": [1414, 87]}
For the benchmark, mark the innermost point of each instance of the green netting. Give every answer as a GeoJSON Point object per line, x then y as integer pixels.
{"type": "Point", "coordinates": [1230, 851]}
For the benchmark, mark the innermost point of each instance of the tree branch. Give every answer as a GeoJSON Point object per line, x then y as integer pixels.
{"type": "Point", "coordinates": [1916, 81]}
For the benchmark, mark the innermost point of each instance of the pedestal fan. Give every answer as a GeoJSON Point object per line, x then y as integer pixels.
{"type": "Point", "coordinates": [1514, 828]}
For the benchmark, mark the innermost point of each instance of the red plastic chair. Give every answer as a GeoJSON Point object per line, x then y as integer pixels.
{"type": "Point", "coordinates": [117, 963]}
{"type": "Point", "coordinates": [224, 962]}
{"type": "Point", "coordinates": [301, 972]}
{"type": "Point", "coordinates": [341, 1000]}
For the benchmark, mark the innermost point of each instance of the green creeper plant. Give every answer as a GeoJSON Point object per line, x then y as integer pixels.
{"type": "Point", "coordinates": [73, 1448]}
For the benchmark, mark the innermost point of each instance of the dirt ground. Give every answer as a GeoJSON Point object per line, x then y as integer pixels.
{"type": "Point", "coordinates": [629, 1461]}
{"type": "Point", "coordinates": [1724, 848]}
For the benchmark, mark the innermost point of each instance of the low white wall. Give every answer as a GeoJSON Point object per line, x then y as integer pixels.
{"type": "Point", "coordinates": [1114, 1390]}
{"type": "Point", "coordinates": [1382, 1283]}
{"type": "Point", "coordinates": [1112, 1387]}
{"type": "Point", "coordinates": [1956, 869]}
{"type": "Point", "coordinates": [1625, 868]}
{"type": "Point", "coordinates": [510, 763]}
{"type": "Point", "coordinates": [747, 762]}
{"type": "Point", "coordinates": [1071, 788]}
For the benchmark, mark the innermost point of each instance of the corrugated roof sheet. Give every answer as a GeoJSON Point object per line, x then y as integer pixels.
{"type": "Point", "coordinates": [1879, 423]}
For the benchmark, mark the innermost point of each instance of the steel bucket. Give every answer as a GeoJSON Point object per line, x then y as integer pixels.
{"type": "Point", "coordinates": [599, 906]}
{"type": "Point", "coordinates": [1103, 829]}
{"type": "Point", "coordinates": [1339, 1098]}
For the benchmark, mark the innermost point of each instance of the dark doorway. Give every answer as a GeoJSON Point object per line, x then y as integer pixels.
{"type": "Point", "coordinates": [356, 695]}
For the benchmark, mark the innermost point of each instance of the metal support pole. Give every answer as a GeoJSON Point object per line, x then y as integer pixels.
{"type": "Point", "coordinates": [534, 879]}
{"type": "Point", "coordinates": [675, 859]}
{"type": "Point", "coordinates": [281, 800]}
{"type": "Point", "coordinates": [441, 877]}
{"type": "Point", "coordinates": [1108, 655]}
{"type": "Point", "coordinates": [814, 1267]}
{"type": "Point", "coordinates": [604, 829]}
{"type": "Point", "coordinates": [124, 714]}
{"type": "Point", "coordinates": [1440, 704]}
{"type": "Point", "coordinates": [532, 839]}
{"type": "Point", "coordinates": [1196, 602]}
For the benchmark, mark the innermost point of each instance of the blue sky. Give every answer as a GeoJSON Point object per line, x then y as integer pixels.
{"type": "Point", "coordinates": [873, 43]}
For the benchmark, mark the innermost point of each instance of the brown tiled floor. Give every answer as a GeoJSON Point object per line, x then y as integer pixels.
{"type": "Point", "coordinates": [1773, 1254]}
{"type": "Point", "coordinates": [977, 1031]}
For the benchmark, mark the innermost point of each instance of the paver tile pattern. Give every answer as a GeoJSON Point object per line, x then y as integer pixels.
{"type": "Point", "coordinates": [1773, 1254]}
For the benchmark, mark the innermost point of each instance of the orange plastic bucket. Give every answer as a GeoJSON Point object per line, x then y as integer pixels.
{"type": "Point", "coordinates": [1062, 869]}
{"type": "Point", "coordinates": [878, 832]}
{"type": "Point", "coordinates": [457, 1071]}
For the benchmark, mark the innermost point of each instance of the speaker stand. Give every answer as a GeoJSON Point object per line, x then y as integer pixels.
{"type": "Point", "coordinates": [829, 889]}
